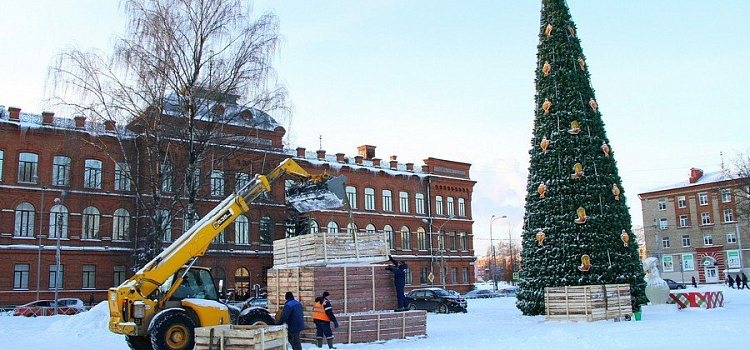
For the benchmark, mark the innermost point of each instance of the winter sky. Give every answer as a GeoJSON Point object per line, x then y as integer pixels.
{"type": "Point", "coordinates": [455, 80]}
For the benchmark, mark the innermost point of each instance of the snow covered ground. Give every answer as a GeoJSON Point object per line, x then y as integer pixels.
{"type": "Point", "coordinates": [490, 324]}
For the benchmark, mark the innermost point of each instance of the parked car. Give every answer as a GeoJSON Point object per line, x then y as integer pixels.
{"type": "Point", "coordinates": [508, 292]}
{"type": "Point", "coordinates": [454, 293]}
{"type": "Point", "coordinates": [74, 303]}
{"type": "Point", "coordinates": [42, 308]}
{"type": "Point", "coordinates": [435, 299]}
{"type": "Point", "coordinates": [481, 294]}
{"type": "Point", "coordinates": [674, 285]}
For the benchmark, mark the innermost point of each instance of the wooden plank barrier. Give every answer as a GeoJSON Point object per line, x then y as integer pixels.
{"type": "Point", "coordinates": [236, 337]}
{"type": "Point", "coordinates": [588, 303]}
{"type": "Point", "coordinates": [325, 248]}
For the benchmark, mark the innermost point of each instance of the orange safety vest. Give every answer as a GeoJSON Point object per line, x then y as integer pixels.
{"type": "Point", "coordinates": [319, 312]}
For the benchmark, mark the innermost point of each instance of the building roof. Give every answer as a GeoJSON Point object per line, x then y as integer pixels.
{"type": "Point", "coordinates": [707, 178]}
{"type": "Point", "coordinates": [232, 113]}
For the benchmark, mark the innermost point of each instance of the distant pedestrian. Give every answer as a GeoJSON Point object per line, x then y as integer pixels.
{"type": "Point", "coordinates": [695, 284]}
{"type": "Point", "coordinates": [292, 315]}
{"type": "Point", "coordinates": [744, 281]}
{"type": "Point", "coordinates": [399, 279]}
{"type": "Point", "coordinates": [91, 299]}
{"type": "Point", "coordinates": [738, 281]}
{"type": "Point", "coordinates": [730, 281]}
{"type": "Point", "coordinates": [322, 317]}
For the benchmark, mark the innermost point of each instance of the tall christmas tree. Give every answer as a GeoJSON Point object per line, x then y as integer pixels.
{"type": "Point", "coordinates": [577, 229]}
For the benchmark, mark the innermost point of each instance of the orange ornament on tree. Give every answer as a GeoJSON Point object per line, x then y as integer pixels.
{"type": "Point", "coordinates": [541, 189]}
{"type": "Point", "coordinates": [605, 148]}
{"type": "Point", "coordinates": [581, 213]}
{"type": "Point", "coordinates": [546, 68]}
{"type": "Point", "coordinates": [571, 31]}
{"type": "Point", "coordinates": [616, 192]}
{"type": "Point", "coordinates": [581, 63]}
{"type": "Point", "coordinates": [593, 104]}
{"type": "Point", "coordinates": [575, 128]}
{"type": "Point", "coordinates": [625, 238]}
{"type": "Point", "coordinates": [548, 30]}
{"type": "Point", "coordinates": [585, 263]}
{"type": "Point", "coordinates": [540, 237]}
{"type": "Point", "coordinates": [577, 171]}
{"type": "Point", "coordinates": [546, 105]}
{"type": "Point", "coordinates": [544, 144]}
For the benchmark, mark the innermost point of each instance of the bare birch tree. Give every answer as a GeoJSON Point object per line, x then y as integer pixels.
{"type": "Point", "coordinates": [174, 81]}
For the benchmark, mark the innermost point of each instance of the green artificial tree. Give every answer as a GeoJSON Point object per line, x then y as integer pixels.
{"type": "Point", "coordinates": [577, 228]}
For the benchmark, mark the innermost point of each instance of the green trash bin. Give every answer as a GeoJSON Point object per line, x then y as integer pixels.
{"type": "Point", "coordinates": [637, 315]}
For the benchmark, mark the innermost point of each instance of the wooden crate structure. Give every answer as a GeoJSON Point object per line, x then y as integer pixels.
{"type": "Point", "coordinates": [353, 288]}
{"type": "Point", "coordinates": [588, 303]}
{"type": "Point", "coordinates": [236, 337]}
{"type": "Point", "coordinates": [326, 248]}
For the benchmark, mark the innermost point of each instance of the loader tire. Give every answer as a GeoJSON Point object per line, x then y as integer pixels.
{"type": "Point", "coordinates": [257, 318]}
{"type": "Point", "coordinates": [173, 331]}
{"type": "Point", "coordinates": [138, 343]}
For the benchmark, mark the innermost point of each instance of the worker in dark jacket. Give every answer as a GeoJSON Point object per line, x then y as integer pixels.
{"type": "Point", "coordinates": [744, 281]}
{"type": "Point", "coordinates": [399, 279]}
{"type": "Point", "coordinates": [292, 316]}
{"type": "Point", "coordinates": [323, 316]}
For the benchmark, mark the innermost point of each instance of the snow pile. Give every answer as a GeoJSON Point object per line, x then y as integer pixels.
{"type": "Point", "coordinates": [490, 324]}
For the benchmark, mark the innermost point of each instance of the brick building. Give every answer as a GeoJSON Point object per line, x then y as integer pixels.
{"type": "Point", "coordinates": [55, 184]}
{"type": "Point", "coordinates": [693, 228]}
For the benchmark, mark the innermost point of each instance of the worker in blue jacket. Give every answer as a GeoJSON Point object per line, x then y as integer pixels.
{"type": "Point", "coordinates": [293, 317]}
{"type": "Point", "coordinates": [399, 279]}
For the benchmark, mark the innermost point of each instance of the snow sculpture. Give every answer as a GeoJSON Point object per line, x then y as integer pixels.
{"type": "Point", "coordinates": [657, 291]}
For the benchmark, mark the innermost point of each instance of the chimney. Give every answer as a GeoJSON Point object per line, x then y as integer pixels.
{"type": "Point", "coordinates": [425, 168]}
{"type": "Point", "coordinates": [80, 121]}
{"type": "Point", "coordinates": [340, 157]}
{"type": "Point", "coordinates": [376, 162]}
{"type": "Point", "coordinates": [301, 152]}
{"type": "Point", "coordinates": [15, 113]}
{"type": "Point", "coordinates": [47, 118]}
{"type": "Point", "coordinates": [410, 167]}
{"type": "Point", "coordinates": [366, 151]}
{"type": "Point", "coordinates": [394, 162]}
{"type": "Point", "coordinates": [321, 154]}
{"type": "Point", "coordinates": [695, 174]}
{"type": "Point", "coordinates": [109, 125]}
{"type": "Point", "coordinates": [358, 159]}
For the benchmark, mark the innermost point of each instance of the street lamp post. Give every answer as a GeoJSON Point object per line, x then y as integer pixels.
{"type": "Point", "coordinates": [58, 232]}
{"type": "Point", "coordinates": [441, 239]}
{"type": "Point", "coordinates": [39, 251]}
{"type": "Point", "coordinates": [492, 246]}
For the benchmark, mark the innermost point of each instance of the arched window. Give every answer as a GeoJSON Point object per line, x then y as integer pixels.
{"type": "Point", "coordinates": [391, 238]}
{"type": "Point", "coordinates": [90, 224]}
{"type": "Point", "coordinates": [405, 238]}
{"type": "Point", "coordinates": [242, 230]}
{"type": "Point", "coordinates": [266, 230]}
{"type": "Point", "coordinates": [58, 221]}
{"type": "Point", "coordinates": [333, 227]}
{"type": "Point", "coordinates": [421, 239]}
{"type": "Point", "coordinates": [370, 228]}
{"type": "Point", "coordinates": [314, 227]}
{"type": "Point", "coordinates": [121, 225]}
{"type": "Point", "coordinates": [351, 228]}
{"type": "Point", "coordinates": [241, 283]}
{"type": "Point", "coordinates": [24, 220]}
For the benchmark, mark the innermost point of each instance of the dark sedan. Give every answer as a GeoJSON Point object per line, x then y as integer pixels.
{"type": "Point", "coordinates": [435, 299]}
{"type": "Point", "coordinates": [674, 285]}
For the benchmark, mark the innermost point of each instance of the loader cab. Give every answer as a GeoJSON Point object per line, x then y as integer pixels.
{"type": "Point", "coordinates": [197, 284]}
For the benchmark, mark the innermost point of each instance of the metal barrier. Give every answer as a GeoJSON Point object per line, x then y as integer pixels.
{"type": "Point", "coordinates": [42, 311]}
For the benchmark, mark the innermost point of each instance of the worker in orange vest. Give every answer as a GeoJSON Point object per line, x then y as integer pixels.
{"type": "Point", "coordinates": [323, 316]}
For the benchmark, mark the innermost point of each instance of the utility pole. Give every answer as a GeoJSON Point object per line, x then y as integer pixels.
{"type": "Point", "coordinates": [492, 246]}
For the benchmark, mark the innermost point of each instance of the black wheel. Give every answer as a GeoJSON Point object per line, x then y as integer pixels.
{"type": "Point", "coordinates": [173, 331]}
{"type": "Point", "coordinates": [412, 306]}
{"type": "Point", "coordinates": [138, 343]}
{"type": "Point", "coordinates": [442, 309]}
{"type": "Point", "coordinates": [256, 317]}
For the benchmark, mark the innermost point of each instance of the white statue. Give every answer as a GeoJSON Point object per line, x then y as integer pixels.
{"type": "Point", "coordinates": [657, 290]}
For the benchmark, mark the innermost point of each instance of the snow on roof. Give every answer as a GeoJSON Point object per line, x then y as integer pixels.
{"type": "Point", "coordinates": [233, 114]}
{"type": "Point", "coordinates": [707, 178]}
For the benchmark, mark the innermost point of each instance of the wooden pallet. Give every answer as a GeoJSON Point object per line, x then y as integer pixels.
{"type": "Point", "coordinates": [236, 337]}
{"type": "Point", "coordinates": [324, 248]}
{"type": "Point", "coordinates": [588, 303]}
{"type": "Point", "coordinates": [376, 326]}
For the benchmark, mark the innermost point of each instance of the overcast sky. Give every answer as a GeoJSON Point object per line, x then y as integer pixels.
{"type": "Point", "coordinates": [455, 80]}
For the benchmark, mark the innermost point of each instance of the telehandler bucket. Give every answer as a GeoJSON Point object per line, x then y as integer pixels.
{"type": "Point", "coordinates": [312, 195]}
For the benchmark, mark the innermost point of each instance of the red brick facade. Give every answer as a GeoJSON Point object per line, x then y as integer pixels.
{"type": "Point", "coordinates": [47, 136]}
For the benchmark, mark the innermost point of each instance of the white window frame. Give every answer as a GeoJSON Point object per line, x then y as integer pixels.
{"type": "Point", "coordinates": [703, 198]}
{"type": "Point", "coordinates": [167, 177]}
{"type": "Point", "coordinates": [667, 262]}
{"type": "Point", "coordinates": [461, 207]}
{"type": "Point", "coordinates": [405, 238]}
{"type": "Point", "coordinates": [688, 263]}
{"type": "Point", "coordinates": [388, 230]}
{"type": "Point", "coordinates": [438, 205]}
{"type": "Point", "coordinates": [166, 226]}
{"type": "Point", "coordinates": [403, 199]}
{"type": "Point", "coordinates": [332, 227]}
{"type": "Point", "coordinates": [705, 218]}
{"type": "Point", "coordinates": [55, 277]}
{"type": "Point", "coordinates": [24, 222]}
{"type": "Point", "coordinates": [726, 195]}
{"type": "Point", "coordinates": [28, 165]}
{"type": "Point", "coordinates": [58, 212]}
{"type": "Point", "coordinates": [240, 180]}
{"type": "Point", "coordinates": [21, 276]}
{"type": "Point", "coordinates": [61, 171]}
{"type": "Point", "coordinates": [731, 238]}
{"type": "Point", "coordinates": [662, 204]}
{"type": "Point", "coordinates": [419, 203]}
{"type": "Point", "coordinates": [685, 240]}
{"type": "Point", "coordinates": [369, 198]}
{"type": "Point", "coordinates": [684, 221]}
{"type": "Point", "coordinates": [90, 219]}
{"type": "Point", "coordinates": [387, 200]}
{"type": "Point", "coordinates": [421, 239]}
{"type": "Point", "coordinates": [450, 205]}
{"type": "Point", "coordinates": [92, 174]}
{"type": "Point", "coordinates": [242, 230]}
{"type": "Point", "coordinates": [121, 225]}
{"type": "Point", "coordinates": [681, 202]}
{"type": "Point", "coordinates": [708, 239]}
{"type": "Point", "coordinates": [663, 224]}
{"type": "Point", "coordinates": [351, 196]}
{"type": "Point", "coordinates": [122, 176]}
{"type": "Point", "coordinates": [728, 215]}
{"type": "Point", "coordinates": [89, 277]}
{"type": "Point", "coordinates": [2, 160]}
{"type": "Point", "coordinates": [665, 242]}
{"type": "Point", "coordinates": [217, 183]}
